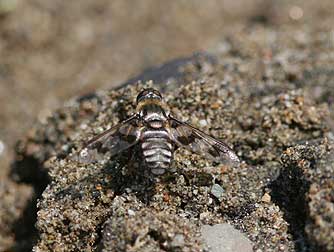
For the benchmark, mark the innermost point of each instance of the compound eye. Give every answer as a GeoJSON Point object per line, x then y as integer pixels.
{"type": "Point", "coordinates": [142, 94]}
{"type": "Point", "coordinates": [157, 93]}
{"type": "Point", "coordinates": [150, 92]}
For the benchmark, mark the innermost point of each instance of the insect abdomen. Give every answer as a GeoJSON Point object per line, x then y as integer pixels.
{"type": "Point", "coordinates": [157, 150]}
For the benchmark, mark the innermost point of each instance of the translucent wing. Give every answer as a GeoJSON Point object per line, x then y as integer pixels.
{"type": "Point", "coordinates": [195, 140]}
{"type": "Point", "coordinates": [113, 140]}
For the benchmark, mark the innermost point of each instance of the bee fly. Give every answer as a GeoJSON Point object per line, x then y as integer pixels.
{"type": "Point", "coordinates": [157, 133]}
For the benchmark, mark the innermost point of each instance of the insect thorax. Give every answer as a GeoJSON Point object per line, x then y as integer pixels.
{"type": "Point", "coordinates": [153, 114]}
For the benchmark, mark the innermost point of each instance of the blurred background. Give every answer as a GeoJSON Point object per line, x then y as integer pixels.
{"type": "Point", "coordinates": [52, 50]}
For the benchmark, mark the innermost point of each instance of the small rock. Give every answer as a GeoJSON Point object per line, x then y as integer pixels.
{"type": "Point", "coordinates": [131, 212]}
{"type": "Point", "coordinates": [178, 241]}
{"type": "Point", "coordinates": [225, 238]}
{"type": "Point", "coordinates": [217, 191]}
{"type": "Point", "coordinates": [266, 198]}
{"type": "Point", "coordinates": [203, 123]}
{"type": "Point", "coordinates": [2, 147]}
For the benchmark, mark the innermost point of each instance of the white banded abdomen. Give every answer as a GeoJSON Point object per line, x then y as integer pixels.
{"type": "Point", "coordinates": [157, 150]}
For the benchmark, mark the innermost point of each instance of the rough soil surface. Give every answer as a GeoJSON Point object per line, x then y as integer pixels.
{"type": "Point", "coordinates": [266, 90]}
{"type": "Point", "coordinates": [268, 196]}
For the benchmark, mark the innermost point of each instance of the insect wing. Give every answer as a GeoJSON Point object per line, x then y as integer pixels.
{"type": "Point", "coordinates": [113, 141]}
{"type": "Point", "coordinates": [195, 140]}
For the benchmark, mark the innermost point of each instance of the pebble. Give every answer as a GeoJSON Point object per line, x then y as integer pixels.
{"type": "Point", "coordinates": [178, 241]}
{"type": "Point", "coordinates": [217, 191]}
{"type": "Point", "coordinates": [2, 147]}
{"type": "Point", "coordinates": [131, 212]}
{"type": "Point", "coordinates": [225, 238]}
{"type": "Point", "coordinates": [203, 123]}
{"type": "Point", "coordinates": [266, 198]}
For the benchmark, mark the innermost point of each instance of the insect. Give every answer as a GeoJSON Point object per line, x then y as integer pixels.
{"type": "Point", "coordinates": [158, 134]}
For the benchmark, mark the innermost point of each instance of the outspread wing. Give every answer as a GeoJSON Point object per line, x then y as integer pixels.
{"type": "Point", "coordinates": [114, 140]}
{"type": "Point", "coordinates": [195, 140]}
